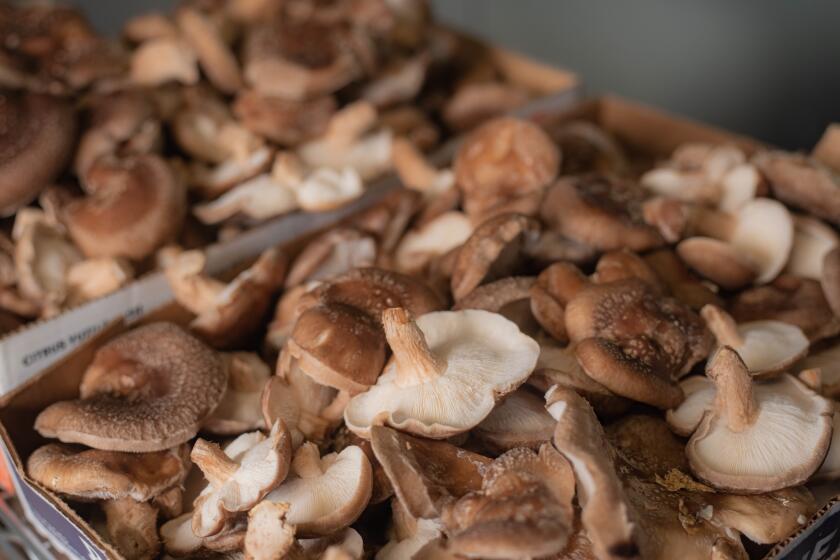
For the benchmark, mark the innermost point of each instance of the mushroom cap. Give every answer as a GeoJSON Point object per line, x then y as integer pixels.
{"type": "Point", "coordinates": [554, 288]}
{"type": "Point", "coordinates": [91, 474]}
{"type": "Point", "coordinates": [327, 189]}
{"type": "Point", "coordinates": [146, 390]}
{"type": "Point", "coordinates": [283, 121]}
{"type": "Point", "coordinates": [509, 297]}
{"type": "Point", "coordinates": [338, 346]}
{"type": "Point", "coordinates": [812, 240]}
{"type": "Point", "coordinates": [258, 198]}
{"type": "Point", "coordinates": [524, 508]}
{"type": "Point", "coordinates": [634, 342]}
{"type": "Point", "coordinates": [43, 258]}
{"type": "Point", "coordinates": [699, 393]}
{"type": "Point", "coordinates": [269, 536]}
{"type": "Point", "coordinates": [480, 356]}
{"type": "Point", "coordinates": [830, 280]}
{"type": "Point", "coordinates": [325, 494]}
{"type": "Point", "coordinates": [600, 212]}
{"type": "Point", "coordinates": [827, 360]}
{"type": "Point", "coordinates": [830, 468]}
{"type": "Point", "coordinates": [164, 59]}
{"type": "Point", "coordinates": [426, 474]}
{"type": "Point", "coordinates": [136, 205]}
{"type": "Point", "coordinates": [239, 411]}
{"type": "Point", "coordinates": [718, 261]}
{"type": "Point", "coordinates": [518, 421]}
{"type": "Point", "coordinates": [764, 233]}
{"type": "Point", "coordinates": [335, 252]}
{"type": "Point", "coordinates": [214, 55]}
{"type": "Point", "coordinates": [761, 437]}
{"type": "Point", "coordinates": [802, 182]}
{"type": "Point", "coordinates": [492, 251]}
{"type": "Point", "coordinates": [36, 141]}
{"type": "Point", "coordinates": [503, 158]}
{"type": "Point", "coordinates": [434, 238]}
{"type": "Point", "coordinates": [476, 102]}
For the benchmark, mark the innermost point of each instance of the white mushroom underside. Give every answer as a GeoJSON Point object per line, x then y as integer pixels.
{"type": "Point", "coordinates": [311, 499]}
{"type": "Point", "coordinates": [831, 466]}
{"type": "Point", "coordinates": [789, 420]}
{"type": "Point", "coordinates": [770, 344]}
{"type": "Point", "coordinates": [486, 355]}
{"type": "Point", "coordinates": [699, 394]}
{"type": "Point", "coordinates": [765, 233]}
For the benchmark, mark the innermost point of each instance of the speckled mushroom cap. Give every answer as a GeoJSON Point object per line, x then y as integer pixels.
{"type": "Point", "coordinates": [600, 212]}
{"type": "Point", "coordinates": [758, 437]}
{"type": "Point", "coordinates": [135, 206]}
{"type": "Point", "coordinates": [802, 182]}
{"type": "Point", "coordinates": [634, 342]}
{"type": "Point", "coordinates": [36, 141]}
{"type": "Point", "coordinates": [447, 372]}
{"type": "Point", "coordinates": [503, 159]}
{"type": "Point", "coordinates": [147, 390]}
{"type": "Point", "coordinates": [92, 474]}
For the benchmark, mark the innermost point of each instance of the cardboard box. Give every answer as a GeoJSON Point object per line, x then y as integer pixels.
{"type": "Point", "coordinates": [647, 132]}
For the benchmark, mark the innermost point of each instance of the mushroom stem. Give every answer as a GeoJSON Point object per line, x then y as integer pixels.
{"type": "Point", "coordinates": [416, 363]}
{"type": "Point", "coordinates": [213, 462]}
{"type": "Point", "coordinates": [734, 397]}
{"type": "Point", "coordinates": [722, 325]}
{"type": "Point", "coordinates": [413, 169]}
{"type": "Point", "coordinates": [307, 461]}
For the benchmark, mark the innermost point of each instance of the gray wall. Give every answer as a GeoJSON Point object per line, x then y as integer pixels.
{"type": "Point", "coordinates": [768, 68]}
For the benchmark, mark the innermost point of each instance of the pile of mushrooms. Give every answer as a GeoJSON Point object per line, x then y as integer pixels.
{"type": "Point", "coordinates": [194, 125]}
{"type": "Point", "coordinates": [524, 356]}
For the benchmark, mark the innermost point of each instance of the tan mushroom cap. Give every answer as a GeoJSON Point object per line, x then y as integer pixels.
{"type": "Point", "coordinates": [326, 493]}
{"type": "Point", "coordinates": [214, 55]}
{"type": "Point", "coordinates": [635, 343]}
{"type": "Point", "coordinates": [718, 261]}
{"type": "Point", "coordinates": [292, 303]}
{"type": "Point", "coordinates": [162, 60]}
{"type": "Point", "coordinates": [433, 385]}
{"type": "Point", "coordinates": [432, 239]}
{"type": "Point", "coordinates": [524, 508]}
{"type": "Point", "coordinates": [766, 347]}
{"type": "Point", "coordinates": [780, 429]}
{"type": "Point", "coordinates": [239, 482]}
{"type": "Point", "coordinates": [132, 528]}
{"type": "Point", "coordinates": [830, 280]}
{"type": "Point", "coordinates": [338, 346]}
{"type": "Point", "coordinates": [607, 516]}
{"type": "Point", "coordinates": [36, 142]}
{"type": "Point", "coordinates": [475, 103]}
{"type": "Point", "coordinates": [812, 240]}
{"type": "Point", "coordinates": [518, 421]}
{"type": "Point", "coordinates": [147, 390]}
{"type": "Point", "coordinates": [239, 411]}
{"type": "Point", "coordinates": [501, 159]}
{"type": "Point", "coordinates": [554, 288]}
{"type": "Point", "coordinates": [699, 393]}
{"type": "Point", "coordinates": [92, 474]}
{"type": "Point", "coordinates": [337, 251]}
{"type": "Point", "coordinates": [283, 121]}
{"type": "Point", "coordinates": [802, 182]}
{"type": "Point", "coordinates": [600, 212]}
{"type": "Point", "coordinates": [678, 281]}
{"type": "Point", "coordinates": [425, 474]}
{"type": "Point", "coordinates": [509, 297]}
{"type": "Point", "coordinates": [492, 251]}
{"type": "Point", "coordinates": [136, 205]}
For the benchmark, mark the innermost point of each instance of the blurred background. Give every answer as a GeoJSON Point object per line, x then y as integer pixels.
{"type": "Point", "coordinates": [767, 68]}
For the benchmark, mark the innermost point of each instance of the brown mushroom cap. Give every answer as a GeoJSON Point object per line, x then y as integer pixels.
{"type": "Point", "coordinates": [509, 297]}
{"type": "Point", "coordinates": [92, 474]}
{"type": "Point", "coordinates": [504, 158]}
{"type": "Point", "coordinates": [475, 103]}
{"type": "Point", "coordinates": [679, 281]}
{"type": "Point", "coordinates": [426, 474]}
{"type": "Point", "coordinates": [524, 508]}
{"type": "Point", "coordinates": [36, 141]}
{"type": "Point", "coordinates": [634, 342]}
{"type": "Point", "coordinates": [518, 421]}
{"type": "Point", "coordinates": [718, 261]}
{"type": "Point", "coordinates": [600, 212]}
{"type": "Point", "coordinates": [147, 390]}
{"type": "Point", "coordinates": [802, 182]}
{"type": "Point", "coordinates": [554, 288]}
{"type": "Point", "coordinates": [136, 205]}
{"type": "Point", "coordinates": [285, 122]}
{"type": "Point", "coordinates": [492, 251]}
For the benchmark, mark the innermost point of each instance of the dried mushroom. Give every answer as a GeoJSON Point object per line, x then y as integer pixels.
{"type": "Point", "coordinates": [802, 182]}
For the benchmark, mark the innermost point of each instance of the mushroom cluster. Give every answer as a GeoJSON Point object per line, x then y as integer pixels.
{"type": "Point", "coordinates": [195, 125]}
{"type": "Point", "coordinates": [523, 356]}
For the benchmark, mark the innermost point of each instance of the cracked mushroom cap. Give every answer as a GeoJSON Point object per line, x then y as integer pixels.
{"type": "Point", "coordinates": [36, 141]}
{"type": "Point", "coordinates": [504, 158]}
{"type": "Point", "coordinates": [781, 430]}
{"type": "Point", "coordinates": [519, 421]}
{"type": "Point", "coordinates": [135, 205]}
{"type": "Point", "coordinates": [766, 347]}
{"type": "Point", "coordinates": [239, 482]}
{"type": "Point", "coordinates": [426, 474]}
{"type": "Point", "coordinates": [812, 241]}
{"type": "Point", "coordinates": [802, 182]}
{"type": "Point", "coordinates": [146, 390]}
{"type": "Point", "coordinates": [447, 371]}
{"type": "Point", "coordinates": [524, 508]}
{"type": "Point", "coordinates": [607, 516]}
{"type": "Point", "coordinates": [601, 212]}
{"type": "Point", "coordinates": [634, 342]}
{"type": "Point", "coordinates": [337, 251]}
{"type": "Point", "coordinates": [239, 410]}
{"type": "Point", "coordinates": [493, 251]}
{"type": "Point", "coordinates": [91, 474]}
{"type": "Point", "coordinates": [326, 493]}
